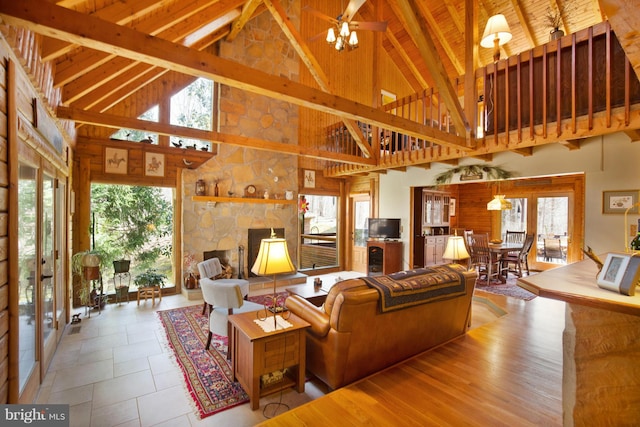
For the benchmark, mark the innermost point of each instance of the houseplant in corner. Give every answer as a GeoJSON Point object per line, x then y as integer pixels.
{"type": "Point", "coordinates": [149, 279]}
{"type": "Point", "coordinates": [86, 266]}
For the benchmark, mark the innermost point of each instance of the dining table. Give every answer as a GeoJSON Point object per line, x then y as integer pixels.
{"type": "Point", "coordinates": [499, 249]}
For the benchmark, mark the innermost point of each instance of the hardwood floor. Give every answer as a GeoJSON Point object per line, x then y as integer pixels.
{"type": "Point", "coordinates": [505, 372]}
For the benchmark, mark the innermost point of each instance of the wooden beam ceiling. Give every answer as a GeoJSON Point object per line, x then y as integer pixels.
{"type": "Point", "coordinates": [42, 17]}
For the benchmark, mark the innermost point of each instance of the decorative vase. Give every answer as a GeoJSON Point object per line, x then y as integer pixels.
{"type": "Point", "coordinates": [190, 282]}
{"type": "Point", "coordinates": [555, 34]}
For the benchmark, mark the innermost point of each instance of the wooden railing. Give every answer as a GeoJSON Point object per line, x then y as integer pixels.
{"type": "Point", "coordinates": [550, 93]}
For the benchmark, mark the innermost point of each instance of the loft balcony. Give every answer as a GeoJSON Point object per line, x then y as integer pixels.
{"type": "Point", "coordinates": [579, 86]}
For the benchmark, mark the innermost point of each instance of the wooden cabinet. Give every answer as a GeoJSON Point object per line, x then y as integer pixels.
{"type": "Point", "coordinates": [383, 257]}
{"type": "Point", "coordinates": [435, 208]}
{"type": "Point", "coordinates": [433, 249]}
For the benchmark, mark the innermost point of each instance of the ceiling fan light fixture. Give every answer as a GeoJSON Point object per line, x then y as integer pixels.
{"type": "Point", "coordinates": [353, 39]}
{"type": "Point", "coordinates": [339, 44]}
{"type": "Point", "coordinates": [344, 29]}
{"type": "Point", "coordinates": [331, 36]}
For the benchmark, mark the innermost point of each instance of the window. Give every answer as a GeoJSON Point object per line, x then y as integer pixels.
{"type": "Point", "coordinates": [318, 236]}
{"type": "Point", "coordinates": [192, 107]}
{"type": "Point", "coordinates": [151, 115]}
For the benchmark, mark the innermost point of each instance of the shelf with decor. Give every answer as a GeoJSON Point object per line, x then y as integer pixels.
{"type": "Point", "coordinates": [242, 200]}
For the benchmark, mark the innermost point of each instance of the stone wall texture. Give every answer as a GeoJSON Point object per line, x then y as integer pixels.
{"type": "Point", "coordinates": [224, 226]}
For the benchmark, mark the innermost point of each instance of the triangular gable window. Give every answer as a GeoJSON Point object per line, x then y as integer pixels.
{"type": "Point", "coordinates": [151, 115]}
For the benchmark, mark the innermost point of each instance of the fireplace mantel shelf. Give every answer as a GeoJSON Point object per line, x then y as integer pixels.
{"type": "Point", "coordinates": [241, 200]}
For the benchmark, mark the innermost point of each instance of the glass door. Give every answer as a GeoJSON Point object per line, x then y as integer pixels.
{"type": "Point", "coordinates": [360, 208]}
{"type": "Point", "coordinates": [552, 239]}
{"type": "Point", "coordinates": [28, 286]}
{"type": "Point", "coordinates": [47, 261]}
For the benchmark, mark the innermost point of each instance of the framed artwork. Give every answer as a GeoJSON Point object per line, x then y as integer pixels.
{"type": "Point", "coordinates": [619, 201]}
{"type": "Point", "coordinates": [309, 179]}
{"type": "Point", "coordinates": [116, 160]}
{"type": "Point", "coordinates": [153, 164]}
{"type": "Point", "coordinates": [452, 207]}
{"type": "Point", "coordinates": [620, 273]}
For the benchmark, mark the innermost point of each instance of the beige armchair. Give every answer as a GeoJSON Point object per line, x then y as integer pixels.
{"type": "Point", "coordinates": [224, 299]}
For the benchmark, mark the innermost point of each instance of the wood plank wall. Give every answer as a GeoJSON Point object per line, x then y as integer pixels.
{"type": "Point", "coordinates": [4, 237]}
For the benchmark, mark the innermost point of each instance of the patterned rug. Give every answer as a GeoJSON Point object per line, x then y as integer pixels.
{"type": "Point", "coordinates": [510, 288]}
{"type": "Point", "coordinates": [207, 373]}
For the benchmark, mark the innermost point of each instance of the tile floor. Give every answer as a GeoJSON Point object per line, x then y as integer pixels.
{"type": "Point", "coordinates": [118, 370]}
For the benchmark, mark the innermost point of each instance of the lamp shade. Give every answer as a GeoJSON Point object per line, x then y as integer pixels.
{"type": "Point", "coordinates": [497, 28]}
{"type": "Point", "coordinates": [273, 258]}
{"type": "Point", "coordinates": [455, 249]}
{"type": "Point", "coordinates": [499, 203]}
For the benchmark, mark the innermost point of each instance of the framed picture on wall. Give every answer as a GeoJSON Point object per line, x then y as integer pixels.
{"type": "Point", "coordinates": [452, 207]}
{"type": "Point", "coordinates": [153, 164]}
{"type": "Point", "coordinates": [309, 179]}
{"type": "Point", "coordinates": [619, 201]}
{"type": "Point", "coordinates": [116, 160]}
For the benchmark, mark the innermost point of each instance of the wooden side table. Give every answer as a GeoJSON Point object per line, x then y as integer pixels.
{"type": "Point", "coordinates": [316, 296]}
{"type": "Point", "coordinates": [255, 353]}
{"type": "Point", "coordinates": [150, 292]}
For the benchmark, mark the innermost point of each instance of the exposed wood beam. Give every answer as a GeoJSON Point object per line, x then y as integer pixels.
{"type": "Point", "coordinates": [247, 13]}
{"type": "Point", "coordinates": [42, 17]}
{"type": "Point", "coordinates": [119, 122]}
{"type": "Point", "coordinates": [102, 76]}
{"type": "Point", "coordinates": [420, 35]}
{"type": "Point", "coordinates": [308, 59]}
{"type": "Point", "coordinates": [524, 23]}
{"type": "Point", "coordinates": [624, 22]}
{"type": "Point", "coordinates": [573, 144]}
{"type": "Point", "coordinates": [178, 15]}
{"type": "Point", "coordinates": [483, 157]}
{"type": "Point", "coordinates": [442, 38]}
{"type": "Point", "coordinates": [402, 53]}
{"type": "Point", "coordinates": [524, 151]}
{"type": "Point", "coordinates": [634, 135]}
{"type": "Point", "coordinates": [121, 13]}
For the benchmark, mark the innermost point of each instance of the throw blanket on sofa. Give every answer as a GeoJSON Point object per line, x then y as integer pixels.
{"type": "Point", "coordinates": [419, 286]}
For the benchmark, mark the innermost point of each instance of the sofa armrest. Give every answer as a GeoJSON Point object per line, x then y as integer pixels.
{"type": "Point", "coordinates": [306, 311]}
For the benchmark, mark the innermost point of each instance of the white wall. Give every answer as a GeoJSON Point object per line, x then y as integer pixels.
{"type": "Point", "coordinates": [609, 163]}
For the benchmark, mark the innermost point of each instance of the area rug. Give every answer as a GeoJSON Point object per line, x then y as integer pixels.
{"type": "Point", "coordinates": [510, 289]}
{"type": "Point", "coordinates": [207, 373]}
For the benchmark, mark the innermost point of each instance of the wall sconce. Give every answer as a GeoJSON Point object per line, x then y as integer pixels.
{"type": "Point", "coordinates": [496, 33]}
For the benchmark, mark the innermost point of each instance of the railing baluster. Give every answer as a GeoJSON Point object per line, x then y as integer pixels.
{"type": "Point", "coordinates": [574, 119]}
{"type": "Point", "coordinates": [608, 75]}
{"type": "Point", "coordinates": [531, 93]}
{"type": "Point", "coordinates": [590, 77]}
{"type": "Point", "coordinates": [559, 87]}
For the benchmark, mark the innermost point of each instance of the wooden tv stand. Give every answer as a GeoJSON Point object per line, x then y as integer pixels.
{"type": "Point", "coordinates": [383, 257]}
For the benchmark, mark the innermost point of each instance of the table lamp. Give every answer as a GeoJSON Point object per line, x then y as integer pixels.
{"type": "Point", "coordinates": [456, 249]}
{"type": "Point", "coordinates": [273, 258]}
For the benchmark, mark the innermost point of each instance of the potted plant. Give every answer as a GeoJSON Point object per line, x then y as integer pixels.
{"type": "Point", "coordinates": [86, 265]}
{"type": "Point", "coordinates": [150, 278]}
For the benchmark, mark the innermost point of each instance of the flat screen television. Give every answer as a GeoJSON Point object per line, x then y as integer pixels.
{"type": "Point", "coordinates": [384, 228]}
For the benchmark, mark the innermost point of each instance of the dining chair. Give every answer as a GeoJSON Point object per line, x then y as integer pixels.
{"type": "Point", "coordinates": [482, 259]}
{"type": "Point", "coordinates": [514, 237]}
{"type": "Point", "coordinates": [515, 263]}
{"type": "Point", "coordinates": [552, 249]}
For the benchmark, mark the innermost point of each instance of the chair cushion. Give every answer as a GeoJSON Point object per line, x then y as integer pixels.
{"type": "Point", "coordinates": [210, 268]}
{"type": "Point", "coordinates": [220, 316]}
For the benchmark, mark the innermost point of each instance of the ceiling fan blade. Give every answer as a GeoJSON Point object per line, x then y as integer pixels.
{"type": "Point", "coordinates": [352, 9]}
{"type": "Point", "coordinates": [319, 14]}
{"type": "Point", "coordinates": [369, 26]}
{"type": "Point", "coordinates": [317, 36]}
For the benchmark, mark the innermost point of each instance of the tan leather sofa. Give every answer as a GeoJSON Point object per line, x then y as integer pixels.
{"type": "Point", "coordinates": [350, 337]}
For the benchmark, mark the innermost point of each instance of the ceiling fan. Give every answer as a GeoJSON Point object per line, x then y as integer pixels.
{"type": "Point", "coordinates": [342, 33]}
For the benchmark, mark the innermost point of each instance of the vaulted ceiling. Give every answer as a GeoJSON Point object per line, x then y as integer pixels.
{"type": "Point", "coordinates": [97, 63]}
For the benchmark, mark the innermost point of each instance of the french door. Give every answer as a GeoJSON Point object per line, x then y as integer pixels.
{"type": "Point", "coordinates": [360, 208]}
{"type": "Point", "coordinates": [548, 218]}
{"type": "Point", "coordinates": [41, 260]}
